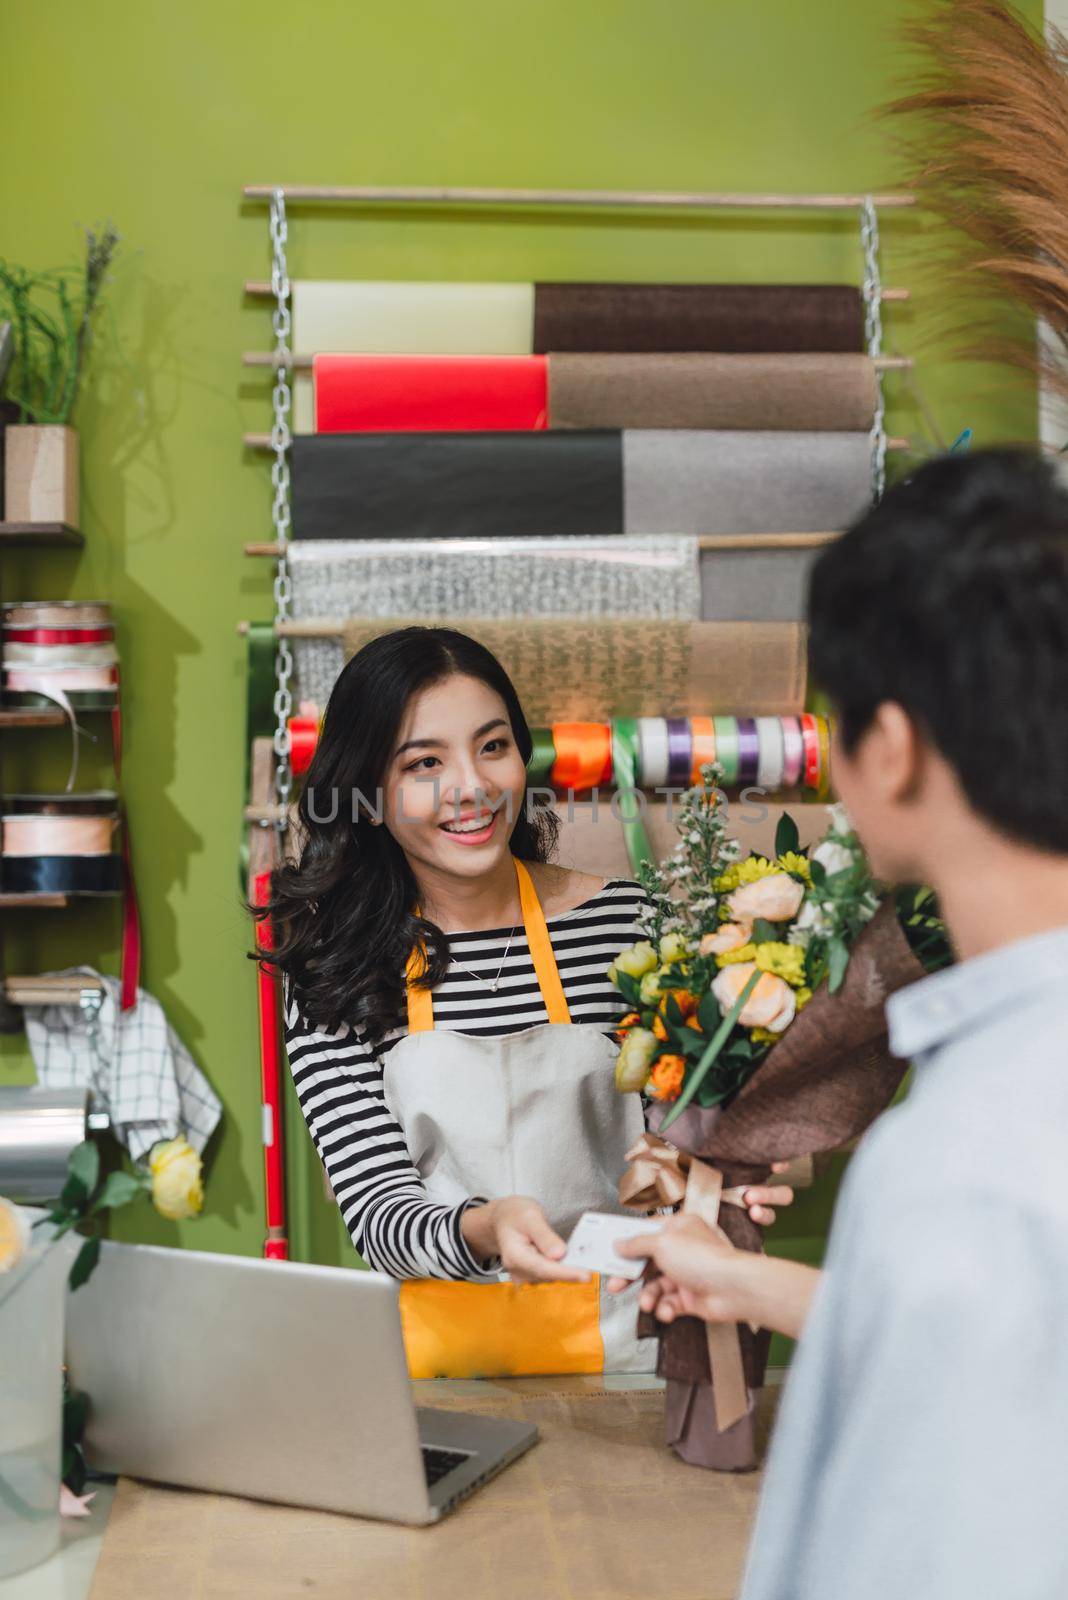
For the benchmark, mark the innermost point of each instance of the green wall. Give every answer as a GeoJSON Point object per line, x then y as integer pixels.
{"type": "Point", "coordinates": [155, 115]}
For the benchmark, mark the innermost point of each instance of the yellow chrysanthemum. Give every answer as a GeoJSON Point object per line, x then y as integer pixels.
{"type": "Point", "coordinates": [790, 861]}
{"type": "Point", "coordinates": [786, 961]}
{"type": "Point", "coordinates": [747, 871]}
{"type": "Point", "coordinates": [744, 952]}
{"type": "Point", "coordinates": [802, 998]}
{"type": "Point", "coordinates": [764, 1036]}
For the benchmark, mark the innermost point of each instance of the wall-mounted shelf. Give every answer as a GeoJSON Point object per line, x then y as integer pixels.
{"type": "Point", "coordinates": [31, 717]}
{"type": "Point", "coordinates": [41, 901]}
{"type": "Point", "coordinates": [36, 533]}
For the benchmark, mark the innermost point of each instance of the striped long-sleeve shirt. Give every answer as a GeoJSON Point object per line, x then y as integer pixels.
{"type": "Point", "coordinates": [394, 1224]}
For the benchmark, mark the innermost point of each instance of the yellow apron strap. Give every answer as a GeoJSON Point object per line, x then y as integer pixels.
{"type": "Point", "coordinates": [420, 1001]}
{"type": "Point", "coordinates": [541, 950]}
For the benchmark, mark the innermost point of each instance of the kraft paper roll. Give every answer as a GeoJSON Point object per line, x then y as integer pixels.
{"type": "Point", "coordinates": [685, 481]}
{"type": "Point", "coordinates": [738, 317]}
{"type": "Point", "coordinates": [579, 670]}
{"type": "Point", "coordinates": [381, 318]}
{"type": "Point", "coordinates": [434, 394]}
{"type": "Point", "coordinates": [694, 389]}
{"type": "Point", "coordinates": [456, 485]}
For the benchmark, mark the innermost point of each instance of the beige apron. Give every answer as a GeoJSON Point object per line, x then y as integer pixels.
{"type": "Point", "coordinates": [532, 1113]}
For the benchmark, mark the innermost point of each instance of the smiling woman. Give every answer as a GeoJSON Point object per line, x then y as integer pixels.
{"type": "Point", "coordinates": [431, 957]}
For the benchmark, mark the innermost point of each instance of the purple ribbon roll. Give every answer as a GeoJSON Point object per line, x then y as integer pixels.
{"type": "Point", "coordinates": [748, 751]}
{"type": "Point", "coordinates": [680, 751]}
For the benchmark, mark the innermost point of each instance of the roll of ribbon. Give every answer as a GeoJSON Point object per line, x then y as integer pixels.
{"type": "Point", "coordinates": [823, 787]}
{"type": "Point", "coordinates": [748, 750]}
{"type": "Point", "coordinates": [811, 739]}
{"type": "Point", "coordinates": [583, 755]}
{"type": "Point", "coordinates": [728, 748]}
{"type": "Point", "coordinates": [680, 750]}
{"type": "Point", "coordinates": [772, 753]}
{"type": "Point", "coordinates": [60, 844]}
{"type": "Point", "coordinates": [653, 753]}
{"type": "Point", "coordinates": [61, 652]}
{"type": "Point", "coordinates": [628, 799]}
{"type": "Point", "coordinates": [542, 756]}
{"type": "Point", "coordinates": [303, 741]}
{"type": "Point", "coordinates": [703, 736]}
{"type": "Point", "coordinates": [793, 752]}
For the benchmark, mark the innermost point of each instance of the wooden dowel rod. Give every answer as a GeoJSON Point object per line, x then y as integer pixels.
{"type": "Point", "coordinates": [261, 288]}
{"type": "Point", "coordinates": [660, 200]}
{"type": "Point", "coordinates": [705, 541]}
{"type": "Point", "coordinates": [301, 363]}
{"type": "Point", "coordinates": [262, 441]}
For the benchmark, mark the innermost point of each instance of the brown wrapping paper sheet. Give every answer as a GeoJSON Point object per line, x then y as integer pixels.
{"type": "Point", "coordinates": [699, 389]}
{"type": "Point", "coordinates": [598, 1509]}
{"type": "Point", "coordinates": [595, 843]}
{"type": "Point", "coordinates": [577, 669]}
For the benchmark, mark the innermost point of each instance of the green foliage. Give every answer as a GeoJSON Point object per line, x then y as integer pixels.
{"type": "Point", "coordinates": [51, 323]}
{"type": "Point", "coordinates": [786, 835]}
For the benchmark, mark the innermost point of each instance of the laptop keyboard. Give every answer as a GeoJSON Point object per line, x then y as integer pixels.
{"type": "Point", "coordinates": [436, 1463]}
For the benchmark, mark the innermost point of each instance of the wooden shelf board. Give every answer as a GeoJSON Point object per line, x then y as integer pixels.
{"type": "Point", "coordinates": [31, 717]}
{"type": "Point", "coordinates": [42, 901]}
{"type": "Point", "coordinates": [29, 533]}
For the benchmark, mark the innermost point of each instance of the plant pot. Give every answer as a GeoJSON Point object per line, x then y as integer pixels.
{"type": "Point", "coordinates": [32, 1301]}
{"type": "Point", "coordinates": [41, 474]}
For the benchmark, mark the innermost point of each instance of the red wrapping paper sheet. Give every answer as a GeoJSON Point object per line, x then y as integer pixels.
{"type": "Point", "coordinates": [433, 394]}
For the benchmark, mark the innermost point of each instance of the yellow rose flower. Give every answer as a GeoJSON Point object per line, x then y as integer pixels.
{"type": "Point", "coordinates": [14, 1235]}
{"type": "Point", "coordinates": [638, 960]}
{"type": "Point", "coordinates": [673, 948]}
{"type": "Point", "coordinates": [177, 1188]}
{"type": "Point", "coordinates": [634, 1059]}
{"type": "Point", "coordinates": [785, 960]}
{"type": "Point", "coordinates": [652, 986]}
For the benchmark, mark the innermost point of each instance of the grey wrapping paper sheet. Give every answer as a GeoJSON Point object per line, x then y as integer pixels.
{"type": "Point", "coordinates": [689, 481]}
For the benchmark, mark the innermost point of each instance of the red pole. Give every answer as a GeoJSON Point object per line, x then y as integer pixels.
{"type": "Point", "coordinates": [275, 1245]}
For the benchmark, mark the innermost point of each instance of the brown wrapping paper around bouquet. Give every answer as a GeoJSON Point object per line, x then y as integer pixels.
{"type": "Point", "coordinates": [825, 1082]}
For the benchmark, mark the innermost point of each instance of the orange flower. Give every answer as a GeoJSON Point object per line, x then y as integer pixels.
{"type": "Point", "coordinates": [665, 1080]}
{"type": "Point", "coordinates": [686, 1002]}
{"type": "Point", "coordinates": [626, 1022]}
{"type": "Point", "coordinates": [659, 1028]}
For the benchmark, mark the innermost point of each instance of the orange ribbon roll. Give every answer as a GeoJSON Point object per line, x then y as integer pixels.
{"type": "Point", "coordinates": [583, 755]}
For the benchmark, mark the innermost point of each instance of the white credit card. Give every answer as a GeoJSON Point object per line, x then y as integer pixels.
{"type": "Point", "coordinates": [592, 1241]}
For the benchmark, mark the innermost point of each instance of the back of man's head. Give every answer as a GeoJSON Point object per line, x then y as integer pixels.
{"type": "Point", "coordinates": [950, 599]}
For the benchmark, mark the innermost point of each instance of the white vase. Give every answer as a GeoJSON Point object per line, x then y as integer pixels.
{"type": "Point", "coordinates": [32, 1299]}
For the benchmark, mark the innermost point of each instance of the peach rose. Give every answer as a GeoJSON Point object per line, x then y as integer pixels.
{"type": "Point", "coordinates": [731, 936]}
{"type": "Point", "coordinates": [776, 898]}
{"type": "Point", "coordinates": [772, 1004]}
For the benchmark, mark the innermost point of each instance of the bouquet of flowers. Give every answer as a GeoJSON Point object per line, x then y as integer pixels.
{"type": "Point", "coordinates": [756, 1027]}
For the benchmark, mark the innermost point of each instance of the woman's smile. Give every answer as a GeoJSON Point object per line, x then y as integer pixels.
{"type": "Point", "coordinates": [467, 830]}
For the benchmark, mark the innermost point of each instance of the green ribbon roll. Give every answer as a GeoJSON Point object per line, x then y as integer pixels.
{"type": "Point", "coordinates": [542, 757]}
{"type": "Point", "coordinates": [624, 776]}
{"type": "Point", "coordinates": [728, 750]}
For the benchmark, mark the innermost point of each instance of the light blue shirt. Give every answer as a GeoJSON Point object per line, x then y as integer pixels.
{"type": "Point", "coordinates": [921, 1451]}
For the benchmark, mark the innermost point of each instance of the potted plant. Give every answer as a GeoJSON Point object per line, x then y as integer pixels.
{"type": "Point", "coordinates": [51, 319]}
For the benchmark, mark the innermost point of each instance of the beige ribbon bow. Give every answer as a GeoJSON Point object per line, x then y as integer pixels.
{"type": "Point", "coordinates": [661, 1175]}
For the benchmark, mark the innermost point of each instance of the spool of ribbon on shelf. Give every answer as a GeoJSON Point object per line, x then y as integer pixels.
{"type": "Point", "coordinates": [765, 752]}
{"type": "Point", "coordinates": [61, 652]}
{"type": "Point", "coordinates": [60, 843]}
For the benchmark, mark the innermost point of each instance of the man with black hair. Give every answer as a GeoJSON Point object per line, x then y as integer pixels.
{"type": "Point", "coordinates": [921, 1451]}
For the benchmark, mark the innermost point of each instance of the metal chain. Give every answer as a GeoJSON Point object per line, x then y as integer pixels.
{"type": "Point", "coordinates": [873, 336]}
{"type": "Point", "coordinates": [280, 516]}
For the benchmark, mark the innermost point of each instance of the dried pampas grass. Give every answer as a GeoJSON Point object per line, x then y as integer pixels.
{"type": "Point", "coordinates": [985, 134]}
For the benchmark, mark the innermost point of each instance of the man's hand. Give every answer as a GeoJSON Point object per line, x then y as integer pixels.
{"type": "Point", "coordinates": [517, 1230]}
{"type": "Point", "coordinates": [699, 1271]}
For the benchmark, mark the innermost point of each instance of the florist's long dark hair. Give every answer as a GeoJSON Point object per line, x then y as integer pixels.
{"type": "Point", "coordinates": [342, 915]}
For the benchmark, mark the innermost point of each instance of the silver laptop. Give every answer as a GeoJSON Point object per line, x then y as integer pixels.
{"type": "Point", "coordinates": [268, 1379]}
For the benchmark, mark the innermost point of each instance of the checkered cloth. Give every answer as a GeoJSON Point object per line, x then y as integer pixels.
{"type": "Point", "coordinates": [139, 1070]}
